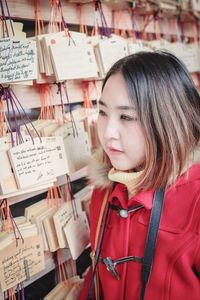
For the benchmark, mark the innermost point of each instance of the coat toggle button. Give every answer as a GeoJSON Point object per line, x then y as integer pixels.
{"type": "Point", "coordinates": [123, 213]}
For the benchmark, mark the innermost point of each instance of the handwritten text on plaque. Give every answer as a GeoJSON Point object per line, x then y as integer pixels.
{"type": "Point", "coordinates": [17, 60]}
{"type": "Point", "coordinates": [19, 263]}
{"type": "Point", "coordinates": [38, 162]}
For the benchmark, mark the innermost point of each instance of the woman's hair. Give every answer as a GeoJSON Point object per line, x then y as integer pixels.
{"type": "Point", "coordinates": [168, 108]}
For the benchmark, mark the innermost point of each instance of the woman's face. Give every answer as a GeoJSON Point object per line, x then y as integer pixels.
{"type": "Point", "coordinates": [119, 129]}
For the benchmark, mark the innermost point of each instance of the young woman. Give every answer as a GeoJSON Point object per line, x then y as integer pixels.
{"type": "Point", "coordinates": [145, 210]}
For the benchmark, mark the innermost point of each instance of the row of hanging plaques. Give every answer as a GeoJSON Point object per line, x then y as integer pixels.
{"type": "Point", "coordinates": [48, 225]}
{"type": "Point", "coordinates": [41, 160]}
{"type": "Point", "coordinates": [62, 56]}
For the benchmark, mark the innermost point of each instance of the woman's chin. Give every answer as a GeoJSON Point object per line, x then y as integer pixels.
{"type": "Point", "coordinates": [119, 167]}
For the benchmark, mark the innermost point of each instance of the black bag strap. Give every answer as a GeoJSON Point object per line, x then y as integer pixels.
{"type": "Point", "coordinates": [151, 239]}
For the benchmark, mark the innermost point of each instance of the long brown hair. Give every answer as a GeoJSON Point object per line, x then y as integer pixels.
{"type": "Point", "coordinates": [168, 107]}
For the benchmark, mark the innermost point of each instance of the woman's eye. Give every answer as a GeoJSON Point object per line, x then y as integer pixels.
{"type": "Point", "coordinates": [102, 113]}
{"type": "Point", "coordinates": [128, 118]}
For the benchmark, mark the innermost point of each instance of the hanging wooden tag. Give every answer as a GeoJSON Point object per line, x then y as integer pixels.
{"type": "Point", "coordinates": [61, 218]}
{"type": "Point", "coordinates": [50, 231]}
{"type": "Point", "coordinates": [51, 39]}
{"type": "Point", "coordinates": [12, 268]}
{"type": "Point", "coordinates": [65, 212]}
{"type": "Point", "coordinates": [108, 51]}
{"type": "Point", "coordinates": [38, 162]}
{"type": "Point", "coordinates": [74, 145]}
{"type": "Point", "coordinates": [73, 61]}
{"type": "Point", "coordinates": [18, 61]}
{"type": "Point", "coordinates": [78, 234]}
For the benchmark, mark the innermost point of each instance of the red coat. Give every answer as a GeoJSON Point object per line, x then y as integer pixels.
{"type": "Point", "coordinates": [176, 267]}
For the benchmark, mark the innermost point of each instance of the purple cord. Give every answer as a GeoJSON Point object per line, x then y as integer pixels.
{"type": "Point", "coordinates": [22, 291]}
{"type": "Point", "coordinates": [27, 117]}
{"type": "Point", "coordinates": [19, 138]}
{"type": "Point", "coordinates": [11, 25]}
{"type": "Point", "coordinates": [11, 99]}
{"type": "Point", "coordinates": [61, 98]}
{"type": "Point", "coordinates": [15, 227]}
{"type": "Point", "coordinates": [4, 20]}
{"type": "Point", "coordinates": [6, 98]}
{"type": "Point", "coordinates": [4, 24]}
{"type": "Point", "coordinates": [105, 30]}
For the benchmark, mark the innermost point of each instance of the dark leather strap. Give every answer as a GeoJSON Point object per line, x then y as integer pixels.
{"type": "Point", "coordinates": [151, 239]}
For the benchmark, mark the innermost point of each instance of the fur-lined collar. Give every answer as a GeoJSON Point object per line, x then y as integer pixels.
{"type": "Point", "coordinates": [98, 170]}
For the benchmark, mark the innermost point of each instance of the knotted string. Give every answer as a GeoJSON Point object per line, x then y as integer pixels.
{"type": "Point", "coordinates": [10, 293]}
{"type": "Point", "coordinates": [8, 222]}
{"type": "Point", "coordinates": [83, 27]}
{"type": "Point", "coordinates": [103, 29]}
{"type": "Point", "coordinates": [47, 110]}
{"type": "Point", "coordinates": [57, 20]}
{"type": "Point", "coordinates": [13, 103]}
{"type": "Point", "coordinates": [64, 25]}
{"type": "Point", "coordinates": [3, 120]}
{"type": "Point", "coordinates": [39, 24]}
{"type": "Point", "coordinates": [54, 196]}
{"type": "Point", "coordinates": [61, 274]}
{"type": "Point", "coordinates": [59, 92]}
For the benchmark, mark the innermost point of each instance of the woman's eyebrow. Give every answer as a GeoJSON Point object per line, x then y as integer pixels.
{"type": "Point", "coordinates": [120, 107]}
{"type": "Point", "coordinates": [102, 103]}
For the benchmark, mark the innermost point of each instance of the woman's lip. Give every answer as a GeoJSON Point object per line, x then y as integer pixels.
{"type": "Point", "coordinates": [114, 150]}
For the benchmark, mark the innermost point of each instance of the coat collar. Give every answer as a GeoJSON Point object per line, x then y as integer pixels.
{"type": "Point", "coordinates": [119, 196]}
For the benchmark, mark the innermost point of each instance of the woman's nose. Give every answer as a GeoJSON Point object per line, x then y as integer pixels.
{"type": "Point", "coordinates": [111, 130]}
